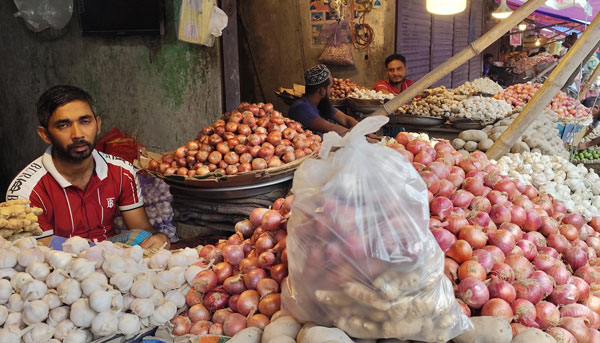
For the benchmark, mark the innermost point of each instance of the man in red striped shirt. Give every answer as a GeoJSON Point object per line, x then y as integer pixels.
{"type": "Point", "coordinates": [79, 188]}
{"type": "Point", "coordinates": [395, 66]}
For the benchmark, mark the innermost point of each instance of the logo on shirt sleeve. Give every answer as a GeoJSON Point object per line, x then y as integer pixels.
{"type": "Point", "coordinates": [110, 202]}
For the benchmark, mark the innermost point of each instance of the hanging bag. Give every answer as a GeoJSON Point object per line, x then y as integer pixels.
{"type": "Point", "coordinates": [338, 51]}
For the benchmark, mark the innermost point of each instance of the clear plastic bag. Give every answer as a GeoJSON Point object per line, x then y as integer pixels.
{"type": "Point", "coordinates": [42, 14]}
{"type": "Point", "coordinates": [361, 256]}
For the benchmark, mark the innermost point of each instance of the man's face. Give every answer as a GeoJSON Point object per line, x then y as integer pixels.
{"type": "Point", "coordinates": [72, 131]}
{"type": "Point", "coordinates": [329, 87]}
{"type": "Point", "coordinates": [325, 105]}
{"type": "Point", "coordinates": [396, 71]}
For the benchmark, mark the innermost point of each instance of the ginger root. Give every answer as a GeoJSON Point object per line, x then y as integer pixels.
{"type": "Point", "coordinates": [334, 298]}
{"type": "Point", "coordinates": [365, 296]}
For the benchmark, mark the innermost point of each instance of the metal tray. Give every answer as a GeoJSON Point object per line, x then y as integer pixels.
{"type": "Point", "coordinates": [467, 124]}
{"type": "Point", "coordinates": [337, 102]}
{"type": "Point", "coordinates": [227, 193]}
{"type": "Point", "coordinates": [416, 120]}
{"type": "Point", "coordinates": [364, 105]}
{"type": "Point", "coordinates": [225, 181]}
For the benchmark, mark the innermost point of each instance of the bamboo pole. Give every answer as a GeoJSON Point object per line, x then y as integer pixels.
{"type": "Point", "coordinates": [577, 71]}
{"type": "Point", "coordinates": [544, 95]}
{"type": "Point", "coordinates": [589, 82]}
{"type": "Point", "coordinates": [475, 48]}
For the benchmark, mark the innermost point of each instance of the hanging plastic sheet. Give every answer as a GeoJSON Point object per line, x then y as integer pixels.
{"type": "Point", "coordinates": [200, 22]}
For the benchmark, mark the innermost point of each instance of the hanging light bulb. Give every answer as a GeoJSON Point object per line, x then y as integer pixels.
{"type": "Point", "coordinates": [502, 12]}
{"type": "Point", "coordinates": [446, 7]}
{"type": "Point", "coordinates": [537, 42]}
{"type": "Point", "coordinates": [522, 27]}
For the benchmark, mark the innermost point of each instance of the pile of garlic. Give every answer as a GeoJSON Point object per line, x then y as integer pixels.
{"type": "Point", "coordinates": [575, 186]}
{"type": "Point", "coordinates": [370, 94]}
{"type": "Point", "coordinates": [482, 85]}
{"type": "Point", "coordinates": [83, 293]}
{"type": "Point", "coordinates": [482, 109]}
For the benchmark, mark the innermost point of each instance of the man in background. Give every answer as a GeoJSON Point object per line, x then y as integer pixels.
{"type": "Point", "coordinates": [395, 67]}
{"type": "Point", "coordinates": [314, 110]}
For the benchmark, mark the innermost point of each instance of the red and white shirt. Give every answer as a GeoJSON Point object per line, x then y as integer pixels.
{"type": "Point", "coordinates": [71, 211]}
{"type": "Point", "coordinates": [386, 85]}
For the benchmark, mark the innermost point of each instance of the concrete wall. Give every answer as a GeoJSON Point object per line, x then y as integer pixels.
{"type": "Point", "coordinates": [277, 40]}
{"type": "Point", "coordinates": [158, 89]}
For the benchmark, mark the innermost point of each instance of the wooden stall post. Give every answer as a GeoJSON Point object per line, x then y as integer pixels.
{"type": "Point", "coordinates": [544, 95]}
{"type": "Point", "coordinates": [589, 82]}
{"type": "Point", "coordinates": [463, 56]}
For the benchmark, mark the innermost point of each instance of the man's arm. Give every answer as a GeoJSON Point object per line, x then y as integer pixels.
{"type": "Point", "coordinates": [137, 219]}
{"type": "Point", "coordinates": [344, 119]}
{"type": "Point", "coordinates": [321, 125]}
{"type": "Point", "coordinates": [591, 143]}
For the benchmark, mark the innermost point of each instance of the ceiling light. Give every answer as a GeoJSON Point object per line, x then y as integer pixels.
{"type": "Point", "coordinates": [502, 12]}
{"type": "Point", "coordinates": [446, 7]}
{"type": "Point", "coordinates": [522, 27]}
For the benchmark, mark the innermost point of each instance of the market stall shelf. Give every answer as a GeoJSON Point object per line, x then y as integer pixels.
{"type": "Point", "coordinates": [416, 120]}
{"type": "Point", "coordinates": [364, 105]}
{"type": "Point", "coordinates": [235, 192]}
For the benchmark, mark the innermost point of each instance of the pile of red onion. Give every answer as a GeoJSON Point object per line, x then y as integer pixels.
{"type": "Point", "coordinates": [510, 252]}
{"type": "Point", "coordinates": [253, 137]}
{"type": "Point", "coordinates": [241, 288]}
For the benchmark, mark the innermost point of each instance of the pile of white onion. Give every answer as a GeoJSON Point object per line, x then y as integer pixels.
{"type": "Point", "coordinates": [83, 293]}
{"type": "Point", "coordinates": [157, 203]}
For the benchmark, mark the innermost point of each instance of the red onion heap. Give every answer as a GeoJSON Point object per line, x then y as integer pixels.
{"type": "Point", "coordinates": [238, 283]}
{"type": "Point", "coordinates": [252, 137]}
{"type": "Point", "coordinates": [545, 272]}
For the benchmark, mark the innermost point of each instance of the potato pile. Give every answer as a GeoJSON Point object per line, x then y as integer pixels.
{"type": "Point", "coordinates": [438, 102]}
{"type": "Point", "coordinates": [18, 219]}
{"type": "Point", "coordinates": [542, 136]}
{"type": "Point", "coordinates": [343, 87]}
{"type": "Point", "coordinates": [477, 86]}
{"type": "Point", "coordinates": [463, 102]}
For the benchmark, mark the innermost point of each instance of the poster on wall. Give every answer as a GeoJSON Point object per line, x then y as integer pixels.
{"type": "Point", "coordinates": [516, 39]}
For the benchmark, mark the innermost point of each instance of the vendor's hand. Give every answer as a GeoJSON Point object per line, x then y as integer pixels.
{"type": "Point", "coordinates": [582, 146]}
{"type": "Point", "coordinates": [157, 241]}
{"type": "Point", "coordinates": [372, 138]}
